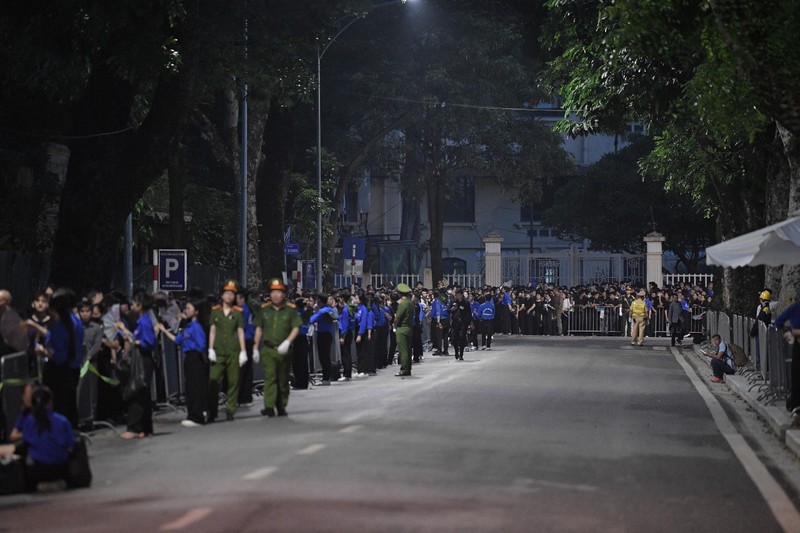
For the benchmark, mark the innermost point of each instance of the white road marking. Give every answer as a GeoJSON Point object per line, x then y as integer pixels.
{"type": "Point", "coordinates": [191, 517]}
{"type": "Point", "coordinates": [310, 450]}
{"type": "Point", "coordinates": [351, 429]}
{"type": "Point", "coordinates": [779, 503]}
{"type": "Point", "coordinates": [261, 473]}
{"type": "Point", "coordinates": [527, 482]}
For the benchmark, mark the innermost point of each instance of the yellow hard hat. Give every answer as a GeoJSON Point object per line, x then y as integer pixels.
{"type": "Point", "coordinates": [765, 295]}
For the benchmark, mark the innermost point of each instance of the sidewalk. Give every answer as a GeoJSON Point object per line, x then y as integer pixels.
{"type": "Point", "coordinates": [776, 416]}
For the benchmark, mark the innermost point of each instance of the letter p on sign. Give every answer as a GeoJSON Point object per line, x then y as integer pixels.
{"type": "Point", "coordinates": [172, 266]}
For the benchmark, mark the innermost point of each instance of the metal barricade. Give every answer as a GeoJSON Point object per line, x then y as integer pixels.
{"type": "Point", "coordinates": [601, 320]}
{"type": "Point", "coordinates": [736, 324]}
{"type": "Point", "coordinates": [724, 326]}
{"type": "Point", "coordinates": [779, 357]}
{"type": "Point", "coordinates": [658, 327]}
{"type": "Point", "coordinates": [14, 375]}
{"type": "Point", "coordinates": [697, 324]}
{"type": "Point", "coordinates": [712, 320]}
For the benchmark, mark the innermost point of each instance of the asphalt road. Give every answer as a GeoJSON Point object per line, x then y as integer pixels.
{"type": "Point", "coordinates": [536, 435]}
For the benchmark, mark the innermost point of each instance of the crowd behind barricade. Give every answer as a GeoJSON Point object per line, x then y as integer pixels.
{"type": "Point", "coordinates": [108, 346]}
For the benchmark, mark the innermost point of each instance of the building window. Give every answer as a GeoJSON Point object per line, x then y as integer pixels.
{"type": "Point", "coordinates": [454, 265]}
{"type": "Point", "coordinates": [531, 214]}
{"type": "Point", "coordinates": [460, 201]}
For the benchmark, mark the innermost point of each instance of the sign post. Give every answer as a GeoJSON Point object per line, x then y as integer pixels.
{"type": "Point", "coordinates": [170, 270]}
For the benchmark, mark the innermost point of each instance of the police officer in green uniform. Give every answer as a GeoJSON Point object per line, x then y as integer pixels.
{"type": "Point", "coordinates": [403, 321]}
{"type": "Point", "coordinates": [278, 324]}
{"type": "Point", "coordinates": [225, 340]}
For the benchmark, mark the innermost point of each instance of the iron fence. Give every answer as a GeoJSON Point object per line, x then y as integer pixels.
{"type": "Point", "coordinates": [769, 354]}
{"type": "Point", "coordinates": [611, 320]}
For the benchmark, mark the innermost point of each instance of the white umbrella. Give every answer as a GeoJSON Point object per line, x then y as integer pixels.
{"type": "Point", "coordinates": [775, 245]}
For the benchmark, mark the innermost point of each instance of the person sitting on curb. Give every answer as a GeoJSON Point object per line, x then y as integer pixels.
{"type": "Point", "coordinates": [721, 359]}
{"type": "Point", "coordinates": [46, 438]}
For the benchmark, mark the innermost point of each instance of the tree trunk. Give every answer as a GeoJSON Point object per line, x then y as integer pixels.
{"type": "Point", "coordinates": [790, 279]}
{"type": "Point", "coordinates": [107, 175]}
{"type": "Point", "coordinates": [255, 139]}
{"type": "Point", "coordinates": [177, 187]}
{"type": "Point", "coordinates": [273, 188]}
{"type": "Point", "coordinates": [776, 205]}
{"type": "Point", "coordinates": [346, 178]}
{"type": "Point", "coordinates": [436, 221]}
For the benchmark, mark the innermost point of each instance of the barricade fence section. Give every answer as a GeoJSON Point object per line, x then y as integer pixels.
{"type": "Point", "coordinates": [769, 354]}
{"type": "Point", "coordinates": [610, 320]}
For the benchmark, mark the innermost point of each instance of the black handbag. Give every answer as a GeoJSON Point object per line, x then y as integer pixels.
{"type": "Point", "coordinates": [12, 476]}
{"type": "Point", "coordinates": [131, 365]}
{"type": "Point", "coordinates": [79, 475]}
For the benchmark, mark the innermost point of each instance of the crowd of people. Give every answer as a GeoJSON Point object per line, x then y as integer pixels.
{"type": "Point", "coordinates": [295, 335]}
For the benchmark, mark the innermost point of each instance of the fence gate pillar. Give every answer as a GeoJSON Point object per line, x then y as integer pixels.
{"type": "Point", "coordinates": [494, 264]}
{"type": "Point", "coordinates": [654, 242]}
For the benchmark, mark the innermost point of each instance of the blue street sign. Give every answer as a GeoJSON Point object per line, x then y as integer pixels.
{"type": "Point", "coordinates": [292, 249]}
{"type": "Point", "coordinates": [172, 265]}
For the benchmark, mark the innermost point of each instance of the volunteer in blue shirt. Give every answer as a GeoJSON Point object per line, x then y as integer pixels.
{"type": "Point", "coordinates": [246, 371]}
{"type": "Point", "coordinates": [475, 307]}
{"type": "Point", "coordinates": [486, 311]}
{"type": "Point", "coordinates": [345, 336]}
{"type": "Point", "coordinates": [193, 342]}
{"type": "Point", "coordinates": [792, 315]}
{"type": "Point", "coordinates": [324, 318]}
{"type": "Point", "coordinates": [47, 440]}
{"type": "Point", "coordinates": [140, 407]}
{"type": "Point", "coordinates": [418, 326]}
{"type": "Point", "coordinates": [362, 333]}
{"type": "Point", "coordinates": [440, 325]}
{"type": "Point", "coordinates": [64, 352]}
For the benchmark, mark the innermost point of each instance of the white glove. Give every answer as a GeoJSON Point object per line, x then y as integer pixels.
{"type": "Point", "coordinates": [256, 356]}
{"type": "Point", "coordinates": [242, 358]}
{"type": "Point", "coordinates": [212, 355]}
{"type": "Point", "coordinates": [283, 348]}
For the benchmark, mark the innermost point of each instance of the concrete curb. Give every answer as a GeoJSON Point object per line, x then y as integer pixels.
{"type": "Point", "coordinates": [777, 417]}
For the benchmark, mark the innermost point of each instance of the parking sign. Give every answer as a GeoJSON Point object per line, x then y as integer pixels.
{"type": "Point", "coordinates": [171, 270]}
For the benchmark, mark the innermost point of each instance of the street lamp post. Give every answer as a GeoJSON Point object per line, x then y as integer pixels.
{"type": "Point", "coordinates": [320, 54]}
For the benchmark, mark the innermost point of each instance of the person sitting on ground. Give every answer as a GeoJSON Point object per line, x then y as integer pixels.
{"type": "Point", "coordinates": [47, 440]}
{"type": "Point", "coordinates": [721, 359]}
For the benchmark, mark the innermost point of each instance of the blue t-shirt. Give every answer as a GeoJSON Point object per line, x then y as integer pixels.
{"type": "Point", "coordinates": [361, 320]}
{"type": "Point", "coordinates": [192, 338]}
{"type": "Point", "coordinates": [487, 310]}
{"type": "Point", "coordinates": [323, 318]}
{"type": "Point", "coordinates": [344, 321]}
{"type": "Point", "coordinates": [51, 447]}
{"type": "Point", "coordinates": [145, 333]}
{"type": "Point", "coordinates": [792, 314]}
{"type": "Point", "coordinates": [249, 325]}
{"type": "Point", "coordinates": [58, 339]}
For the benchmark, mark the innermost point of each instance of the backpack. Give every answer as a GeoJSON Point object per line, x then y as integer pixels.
{"type": "Point", "coordinates": [739, 357]}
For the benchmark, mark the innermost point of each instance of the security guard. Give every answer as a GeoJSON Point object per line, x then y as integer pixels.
{"type": "Point", "coordinates": [403, 321]}
{"type": "Point", "coordinates": [225, 339]}
{"type": "Point", "coordinates": [278, 324]}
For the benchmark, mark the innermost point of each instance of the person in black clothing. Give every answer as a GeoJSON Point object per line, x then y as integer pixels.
{"type": "Point", "coordinates": [460, 323]}
{"type": "Point", "coordinates": [300, 348]}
